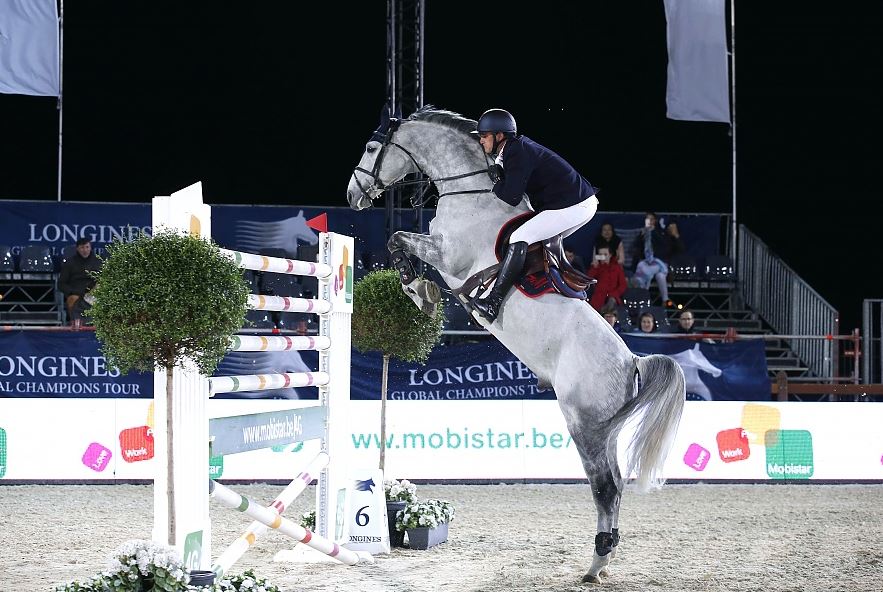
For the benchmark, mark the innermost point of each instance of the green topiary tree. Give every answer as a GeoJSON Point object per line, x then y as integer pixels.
{"type": "Point", "coordinates": [386, 320]}
{"type": "Point", "coordinates": [161, 301]}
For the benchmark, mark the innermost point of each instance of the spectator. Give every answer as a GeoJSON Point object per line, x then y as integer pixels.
{"type": "Point", "coordinates": [685, 322]}
{"type": "Point", "coordinates": [608, 238]}
{"type": "Point", "coordinates": [651, 251]}
{"type": "Point", "coordinates": [75, 280]}
{"type": "Point", "coordinates": [647, 323]}
{"type": "Point", "coordinates": [673, 238]}
{"type": "Point", "coordinates": [575, 260]}
{"type": "Point", "coordinates": [611, 280]}
{"type": "Point", "coordinates": [611, 316]}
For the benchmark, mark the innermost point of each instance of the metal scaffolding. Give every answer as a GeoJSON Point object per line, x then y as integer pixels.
{"type": "Point", "coordinates": [404, 84]}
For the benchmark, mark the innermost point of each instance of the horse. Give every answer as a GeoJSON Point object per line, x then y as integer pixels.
{"type": "Point", "coordinates": [600, 384]}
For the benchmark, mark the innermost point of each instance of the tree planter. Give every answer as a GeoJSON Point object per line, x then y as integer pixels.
{"type": "Point", "coordinates": [396, 537]}
{"type": "Point", "coordinates": [424, 538]}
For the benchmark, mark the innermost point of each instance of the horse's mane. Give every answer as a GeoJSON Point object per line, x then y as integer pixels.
{"type": "Point", "coordinates": [447, 118]}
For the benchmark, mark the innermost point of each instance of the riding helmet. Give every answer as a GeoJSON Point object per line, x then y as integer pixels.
{"type": "Point", "coordinates": [497, 120]}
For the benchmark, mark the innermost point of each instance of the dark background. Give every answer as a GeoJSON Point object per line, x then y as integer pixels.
{"type": "Point", "coordinates": [272, 104]}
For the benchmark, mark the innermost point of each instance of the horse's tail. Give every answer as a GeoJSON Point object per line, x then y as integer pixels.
{"type": "Point", "coordinates": [657, 410]}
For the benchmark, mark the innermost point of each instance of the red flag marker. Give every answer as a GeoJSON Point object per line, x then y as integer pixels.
{"type": "Point", "coordinates": [319, 223]}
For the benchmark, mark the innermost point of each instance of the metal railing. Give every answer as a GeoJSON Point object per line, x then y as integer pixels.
{"type": "Point", "coordinates": [787, 303]}
{"type": "Point", "coordinates": [872, 340]}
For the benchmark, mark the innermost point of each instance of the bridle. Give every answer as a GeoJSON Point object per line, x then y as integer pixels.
{"type": "Point", "coordinates": [418, 199]}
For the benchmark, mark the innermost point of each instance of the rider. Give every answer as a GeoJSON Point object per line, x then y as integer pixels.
{"type": "Point", "coordinates": [562, 199]}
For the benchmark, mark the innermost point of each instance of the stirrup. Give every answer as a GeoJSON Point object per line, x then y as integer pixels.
{"type": "Point", "coordinates": [488, 308]}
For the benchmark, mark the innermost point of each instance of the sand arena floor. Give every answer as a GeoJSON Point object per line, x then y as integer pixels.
{"type": "Point", "coordinates": [779, 538]}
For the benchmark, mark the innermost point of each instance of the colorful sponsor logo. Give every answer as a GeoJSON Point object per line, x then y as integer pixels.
{"type": "Point", "coordinates": [193, 550]}
{"type": "Point", "coordinates": [296, 447]}
{"type": "Point", "coordinates": [343, 279]}
{"type": "Point", "coordinates": [97, 457]}
{"type": "Point", "coordinates": [758, 420]}
{"type": "Point", "coordinates": [697, 457]}
{"type": "Point", "coordinates": [136, 444]}
{"type": "Point", "coordinates": [215, 467]}
{"type": "Point", "coordinates": [2, 452]}
{"type": "Point", "coordinates": [789, 454]}
{"type": "Point", "coordinates": [732, 445]}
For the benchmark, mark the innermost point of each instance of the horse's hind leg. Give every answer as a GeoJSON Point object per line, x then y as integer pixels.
{"type": "Point", "coordinates": [606, 484]}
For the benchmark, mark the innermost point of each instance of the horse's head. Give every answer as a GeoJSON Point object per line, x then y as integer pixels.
{"type": "Point", "coordinates": [383, 163]}
{"type": "Point", "coordinates": [434, 142]}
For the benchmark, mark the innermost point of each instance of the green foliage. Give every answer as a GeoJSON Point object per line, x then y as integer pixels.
{"type": "Point", "coordinates": [165, 298]}
{"type": "Point", "coordinates": [386, 320]}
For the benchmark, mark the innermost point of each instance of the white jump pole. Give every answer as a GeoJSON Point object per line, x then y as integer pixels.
{"type": "Point", "coordinates": [268, 517]}
{"type": "Point", "coordinates": [254, 531]}
{"type": "Point", "coordinates": [183, 212]}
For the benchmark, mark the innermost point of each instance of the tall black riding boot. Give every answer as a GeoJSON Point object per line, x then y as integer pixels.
{"type": "Point", "coordinates": [513, 262]}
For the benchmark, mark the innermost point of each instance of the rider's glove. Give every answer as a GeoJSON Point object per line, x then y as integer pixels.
{"type": "Point", "coordinates": [495, 172]}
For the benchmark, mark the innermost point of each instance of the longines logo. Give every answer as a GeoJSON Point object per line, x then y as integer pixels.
{"type": "Point", "coordinates": [100, 233]}
{"type": "Point", "coordinates": [56, 366]}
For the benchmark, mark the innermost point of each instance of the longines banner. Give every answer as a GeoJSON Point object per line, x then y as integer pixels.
{"type": "Point", "coordinates": [256, 228]}
{"type": "Point", "coordinates": [62, 364]}
{"type": "Point", "coordinates": [44, 364]}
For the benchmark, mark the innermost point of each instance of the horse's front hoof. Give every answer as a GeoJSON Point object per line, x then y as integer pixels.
{"type": "Point", "coordinates": [428, 308]}
{"type": "Point", "coordinates": [590, 579]}
{"type": "Point", "coordinates": [604, 573]}
{"type": "Point", "coordinates": [431, 292]}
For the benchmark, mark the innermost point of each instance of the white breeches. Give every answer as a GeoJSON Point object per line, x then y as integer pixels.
{"type": "Point", "coordinates": [549, 223]}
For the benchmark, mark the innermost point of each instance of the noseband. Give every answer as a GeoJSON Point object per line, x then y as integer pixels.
{"type": "Point", "coordinates": [417, 200]}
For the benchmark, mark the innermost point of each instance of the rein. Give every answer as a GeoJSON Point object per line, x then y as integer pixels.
{"type": "Point", "coordinates": [420, 201]}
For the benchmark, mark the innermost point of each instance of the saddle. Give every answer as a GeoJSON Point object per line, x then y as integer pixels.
{"type": "Point", "coordinates": [546, 269]}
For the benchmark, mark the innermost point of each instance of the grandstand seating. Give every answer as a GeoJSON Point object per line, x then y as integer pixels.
{"type": "Point", "coordinates": [36, 262]}
{"type": "Point", "coordinates": [7, 261]}
{"type": "Point", "coordinates": [28, 287]}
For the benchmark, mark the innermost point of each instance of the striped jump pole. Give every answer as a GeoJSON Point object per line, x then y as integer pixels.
{"type": "Point", "coordinates": [278, 342]}
{"type": "Point", "coordinates": [287, 304]}
{"type": "Point", "coordinates": [278, 264]}
{"type": "Point", "coordinates": [263, 382]}
{"type": "Point", "coordinates": [270, 518]}
{"type": "Point", "coordinates": [256, 529]}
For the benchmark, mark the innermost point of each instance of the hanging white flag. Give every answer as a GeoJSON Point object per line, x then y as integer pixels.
{"type": "Point", "coordinates": [698, 77]}
{"type": "Point", "coordinates": [29, 47]}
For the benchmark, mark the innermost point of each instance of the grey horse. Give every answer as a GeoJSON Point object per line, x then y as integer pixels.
{"type": "Point", "coordinates": [599, 382]}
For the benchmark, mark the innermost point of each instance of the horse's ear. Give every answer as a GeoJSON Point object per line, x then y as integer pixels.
{"type": "Point", "coordinates": [380, 133]}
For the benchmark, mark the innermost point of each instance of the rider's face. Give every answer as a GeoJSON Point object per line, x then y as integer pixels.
{"type": "Point", "coordinates": [487, 141]}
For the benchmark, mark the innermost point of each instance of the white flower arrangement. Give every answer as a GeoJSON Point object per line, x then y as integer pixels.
{"type": "Point", "coordinates": [424, 514]}
{"type": "Point", "coordinates": [137, 562]}
{"type": "Point", "coordinates": [399, 491]}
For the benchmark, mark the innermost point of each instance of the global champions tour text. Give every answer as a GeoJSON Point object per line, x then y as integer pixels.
{"type": "Point", "coordinates": [470, 382]}
{"type": "Point", "coordinates": [46, 370]}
